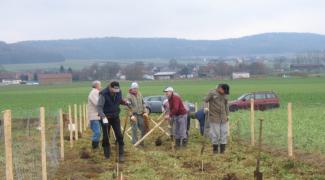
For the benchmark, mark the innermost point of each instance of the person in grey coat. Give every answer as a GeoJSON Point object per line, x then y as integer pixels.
{"type": "Point", "coordinates": [216, 106]}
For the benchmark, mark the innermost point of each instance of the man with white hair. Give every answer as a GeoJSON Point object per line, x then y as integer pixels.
{"type": "Point", "coordinates": [93, 113]}
{"type": "Point", "coordinates": [178, 115]}
{"type": "Point", "coordinates": [139, 113]}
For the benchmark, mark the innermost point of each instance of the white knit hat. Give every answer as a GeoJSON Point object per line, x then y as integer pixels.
{"type": "Point", "coordinates": [134, 85]}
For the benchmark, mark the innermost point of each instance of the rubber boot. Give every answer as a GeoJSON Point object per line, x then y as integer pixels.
{"type": "Point", "coordinates": [215, 148]}
{"type": "Point", "coordinates": [121, 154]}
{"type": "Point", "coordinates": [178, 143]}
{"type": "Point", "coordinates": [222, 148]}
{"type": "Point", "coordinates": [107, 151]}
{"type": "Point", "coordinates": [184, 143]}
{"type": "Point", "coordinates": [94, 144]}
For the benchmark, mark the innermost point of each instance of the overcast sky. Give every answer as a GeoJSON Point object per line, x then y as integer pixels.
{"type": "Point", "coordinates": [190, 19]}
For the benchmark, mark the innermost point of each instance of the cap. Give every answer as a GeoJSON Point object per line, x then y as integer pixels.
{"type": "Point", "coordinates": [169, 89]}
{"type": "Point", "coordinates": [134, 85]}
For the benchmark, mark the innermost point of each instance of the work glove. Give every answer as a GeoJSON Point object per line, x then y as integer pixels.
{"type": "Point", "coordinates": [128, 103]}
{"type": "Point", "coordinates": [133, 119]}
{"type": "Point", "coordinates": [206, 110]}
{"type": "Point", "coordinates": [145, 115]}
{"type": "Point", "coordinates": [105, 120]}
{"type": "Point", "coordinates": [167, 117]}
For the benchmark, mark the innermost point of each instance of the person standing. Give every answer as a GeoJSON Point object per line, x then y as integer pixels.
{"type": "Point", "coordinates": [108, 107]}
{"type": "Point", "coordinates": [138, 109]}
{"type": "Point", "coordinates": [178, 115]}
{"type": "Point", "coordinates": [216, 105]}
{"type": "Point", "coordinates": [93, 113]}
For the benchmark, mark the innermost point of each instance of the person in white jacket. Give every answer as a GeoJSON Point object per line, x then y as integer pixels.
{"type": "Point", "coordinates": [93, 115]}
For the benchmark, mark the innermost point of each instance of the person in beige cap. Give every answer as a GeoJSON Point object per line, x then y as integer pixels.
{"type": "Point", "coordinates": [139, 113]}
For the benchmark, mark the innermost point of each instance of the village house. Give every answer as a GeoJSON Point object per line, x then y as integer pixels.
{"type": "Point", "coordinates": [240, 75]}
{"type": "Point", "coordinates": [165, 75]}
{"type": "Point", "coordinates": [55, 78]}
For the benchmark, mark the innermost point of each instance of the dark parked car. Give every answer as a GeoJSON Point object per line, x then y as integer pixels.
{"type": "Point", "coordinates": [262, 101]}
{"type": "Point", "coordinates": [154, 104]}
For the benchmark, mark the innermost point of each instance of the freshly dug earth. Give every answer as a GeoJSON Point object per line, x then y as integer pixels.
{"type": "Point", "coordinates": [160, 162]}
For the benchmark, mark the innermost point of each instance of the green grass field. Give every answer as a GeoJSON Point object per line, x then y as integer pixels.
{"type": "Point", "coordinates": [306, 94]}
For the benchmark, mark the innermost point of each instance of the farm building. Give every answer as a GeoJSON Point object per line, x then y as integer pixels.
{"type": "Point", "coordinates": [164, 75]}
{"type": "Point", "coordinates": [240, 75]}
{"type": "Point", "coordinates": [307, 67]}
{"type": "Point", "coordinates": [59, 78]}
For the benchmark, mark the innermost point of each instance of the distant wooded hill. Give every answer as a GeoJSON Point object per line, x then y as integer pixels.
{"type": "Point", "coordinates": [137, 48]}
{"type": "Point", "coordinates": [21, 54]}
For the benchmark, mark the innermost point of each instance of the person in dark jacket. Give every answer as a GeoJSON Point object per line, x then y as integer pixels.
{"type": "Point", "coordinates": [200, 116]}
{"type": "Point", "coordinates": [108, 108]}
{"type": "Point", "coordinates": [178, 115]}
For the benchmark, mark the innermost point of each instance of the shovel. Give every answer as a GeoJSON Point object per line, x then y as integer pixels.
{"type": "Point", "coordinates": [257, 174]}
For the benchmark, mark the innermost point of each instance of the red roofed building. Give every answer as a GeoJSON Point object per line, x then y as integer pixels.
{"type": "Point", "coordinates": [58, 78]}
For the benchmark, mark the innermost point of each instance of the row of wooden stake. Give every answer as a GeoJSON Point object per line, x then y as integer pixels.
{"type": "Point", "coordinates": [290, 134]}
{"type": "Point", "coordinates": [252, 125]}
{"type": "Point", "coordinates": [81, 122]}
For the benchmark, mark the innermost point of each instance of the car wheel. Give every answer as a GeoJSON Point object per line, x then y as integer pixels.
{"type": "Point", "coordinates": [262, 108]}
{"type": "Point", "coordinates": [233, 108]}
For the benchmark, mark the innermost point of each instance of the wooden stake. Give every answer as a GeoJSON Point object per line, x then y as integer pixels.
{"type": "Point", "coordinates": [85, 121]}
{"type": "Point", "coordinates": [76, 121]}
{"type": "Point", "coordinates": [43, 143]}
{"type": "Point", "coordinates": [70, 129]}
{"type": "Point", "coordinates": [80, 119]}
{"type": "Point", "coordinates": [148, 133]}
{"type": "Point", "coordinates": [161, 129]}
{"type": "Point", "coordinates": [290, 141]}
{"type": "Point", "coordinates": [8, 144]}
{"type": "Point", "coordinates": [252, 122]}
{"type": "Point", "coordinates": [61, 135]}
{"type": "Point", "coordinates": [197, 126]}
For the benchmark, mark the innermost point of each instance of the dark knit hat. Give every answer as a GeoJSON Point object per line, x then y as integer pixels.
{"type": "Point", "coordinates": [225, 88]}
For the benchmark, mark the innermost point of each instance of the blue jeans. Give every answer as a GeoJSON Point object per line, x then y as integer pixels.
{"type": "Point", "coordinates": [139, 124]}
{"type": "Point", "coordinates": [95, 127]}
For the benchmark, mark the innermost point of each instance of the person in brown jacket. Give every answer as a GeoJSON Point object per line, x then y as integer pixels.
{"type": "Point", "coordinates": [216, 106]}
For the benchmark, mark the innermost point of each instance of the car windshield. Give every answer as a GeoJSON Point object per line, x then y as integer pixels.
{"type": "Point", "coordinates": [242, 96]}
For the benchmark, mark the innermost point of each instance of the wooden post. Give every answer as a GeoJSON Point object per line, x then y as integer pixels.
{"type": "Point", "coordinates": [87, 120]}
{"type": "Point", "coordinates": [252, 122]}
{"type": "Point", "coordinates": [80, 119]}
{"type": "Point", "coordinates": [84, 119]}
{"type": "Point", "coordinates": [197, 126]}
{"type": "Point", "coordinates": [70, 127]}
{"type": "Point", "coordinates": [76, 121]}
{"type": "Point", "coordinates": [61, 135]}
{"type": "Point", "coordinates": [8, 144]}
{"type": "Point", "coordinates": [43, 143]}
{"type": "Point", "coordinates": [290, 141]}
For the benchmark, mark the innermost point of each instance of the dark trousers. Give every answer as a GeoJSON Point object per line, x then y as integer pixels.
{"type": "Point", "coordinates": [116, 125]}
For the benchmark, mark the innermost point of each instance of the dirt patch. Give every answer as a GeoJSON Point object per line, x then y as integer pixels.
{"type": "Point", "coordinates": [85, 153]}
{"type": "Point", "coordinates": [230, 176]}
{"type": "Point", "coordinates": [198, 166]}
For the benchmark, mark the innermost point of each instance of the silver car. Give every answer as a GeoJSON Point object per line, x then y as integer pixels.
{"type": "Point", "coordinates": [154, 104]}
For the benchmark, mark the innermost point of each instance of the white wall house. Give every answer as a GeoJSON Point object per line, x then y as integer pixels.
{"type": "Point", "coordinates": [164, 75]}
{"type": "Point", "coordinates": [240, 75]}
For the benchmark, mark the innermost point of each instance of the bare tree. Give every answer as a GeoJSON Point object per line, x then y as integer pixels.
{"type": "Point", "coordinates": [134, 71]}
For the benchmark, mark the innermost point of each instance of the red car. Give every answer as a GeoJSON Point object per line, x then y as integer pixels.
{"type": "Point", "coordinates": [262, 101]}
